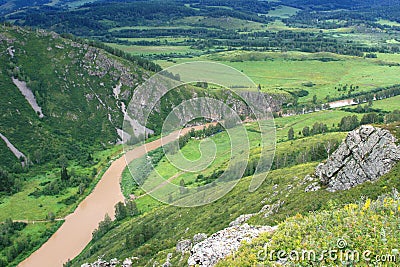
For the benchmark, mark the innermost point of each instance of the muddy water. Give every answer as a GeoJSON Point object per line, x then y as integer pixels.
{"type": "Point", "coordinates": [341, 103]}
{"type": "Point", "coordinates": [76, 232]}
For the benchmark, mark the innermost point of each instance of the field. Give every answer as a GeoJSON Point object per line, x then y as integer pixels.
{"type": "Point", "coordinates": [388, 104]}
{"type": "Point", "coordinates": [283, 12]}
{"type": "Point", "coordinates": [146, 50]}
{"type": "Point", "coordinates": [227, 23]}
{"type": "Point", "coordinates": [388, 22]}
{"type": "Point", "coordinates": [292, 70]}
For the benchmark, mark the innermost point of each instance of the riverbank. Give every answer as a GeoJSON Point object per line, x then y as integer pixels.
{"type": "Point", "coordinates": [76, 232]}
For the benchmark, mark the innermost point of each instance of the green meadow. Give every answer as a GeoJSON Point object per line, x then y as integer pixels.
{"type": "Point", "coordinates": [148, 50]}
{"type": "Point", "coordinates": [291, 70]}
{"type": "Point", "coordinates": [283, 12]}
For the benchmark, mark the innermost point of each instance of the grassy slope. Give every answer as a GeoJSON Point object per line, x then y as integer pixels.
{"type": "Point", "coordinates": [54, 68]}
{"type": "Point", "coordinates": [367, 225]}
{"type": "Point", "coordinates": [174, 223]}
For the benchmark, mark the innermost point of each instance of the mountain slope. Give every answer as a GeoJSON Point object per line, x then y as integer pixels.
{"type": "Point", "coordinates": [73, 85]}
{"type": "Point", "coordinates": [154, 235]}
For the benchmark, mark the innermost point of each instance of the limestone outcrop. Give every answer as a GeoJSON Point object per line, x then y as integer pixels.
{"type": "Point", "coordinates": [366, 154]}
{"type": "Point", "coordinates": [221, 244]}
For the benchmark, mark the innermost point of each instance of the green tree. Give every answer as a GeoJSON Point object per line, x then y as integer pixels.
{"type": "Point", "coordinates": [6, 181]}
{"type": "Point", "coordinates": [314, 99]}
{"type": "Point", "coordinates": [393, 117]}
{"type": "Point", "coordinates": [50, 216]}
{"type": "Point", "coordinates": [131, 208]}
{"type": "Point", "coordinates": [64, 174]}
{"type": "Point", "coordinates": [182, 187]}
{"type": "Point", "coordinates": [120, 211]}
{"type": "Point", "coordinates": [306, 131]}
{"type": "Point", "coordinates": [370, 118]}
{"type": "Point", "coordinates": [291, 133]}
{"type": "Point", "coordinates": [63, 161]}
{"type": "Point", "coordinates": [349, 123]}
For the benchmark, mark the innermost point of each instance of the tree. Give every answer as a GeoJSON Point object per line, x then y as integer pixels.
{"type": "Point", "coordinates": [6, 181]}
{"type": "Point", "coordinates": [370, 118]}
{"type": "Point", "coordinates": [328, 147]}
{"type": "Point", "coordinates": [131, 208]}
{"type": "Point", "coordinates": [291, 134]}
{"type": "Point", "coordinates": [64, 174]}
{"type": "Point", "coordinates": [38, 155]}
{"type": "Point", "coordinates": [63, 161]}
{"type": "Point", "coordinates": [182, 187]}
{"type": "Point", "coordinates": [392, 117]}
{"type": "Point", "coordinates": [50, 216]}
{"type": "Point", "coordinates": [314, 99]}
{"type": "Point", "coordinates": [120, 211]}
{"type": "Point", "coordinates": [104, 226]}
{"type": "Point", "coordinates": [306, 131]}
{"type": "Point", "coordinates": [349, 123]}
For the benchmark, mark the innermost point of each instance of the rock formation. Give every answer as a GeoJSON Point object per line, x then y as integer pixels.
{"type": "Point", "coordinates": [221, 244]}
{"type": "Point", "coordinates": [366, 154]}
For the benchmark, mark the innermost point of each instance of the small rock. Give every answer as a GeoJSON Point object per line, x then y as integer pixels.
{"type": "Point", "coordinates": [199, 237]}
{"type": "Point", "coordinates": [183, 245]}
{"type": "Point", "coordinates": [127, 263]}
{"type": "Point", "coordinates": [241, 219]}
{"type": "Point", "coordinates": [312, 187]}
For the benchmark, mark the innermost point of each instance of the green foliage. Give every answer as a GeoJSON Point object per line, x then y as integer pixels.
{"type": "Point", "coordinates": [306, 131]}
{"type": "Point", "coordinates": [393, 117]}
{"type": "Point", "coordinates": [349, 123]}
{"type": "Point", "coordinates": [291, 134]}
{"type": "Point", "coordinates": [366, 226]}
{"type": "Point", "coordinates": [6, 182]}
{"type": "Point", "coordinates": [104, 227]}
{"type": "Point", "coordinates": [371, 118]}
{"type": "Point", "coordinates": [319, 128]}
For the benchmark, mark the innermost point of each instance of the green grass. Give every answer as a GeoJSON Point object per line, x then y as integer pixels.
{"type": "Point", "coordinates": [150, 27]}
{"type": "Point", "coordinates": [226, 23]}
{"type": "Point", "coordinates": [367, 225]}
{"type": "Point", "coordinates": [21, 206]}
{"type": "Point", "coordinates": [146, 50]}
{"type": "Point", "coordinates": [175, 224]}
{"type": "Point", "coordinates": [161, 39]}
{"type": "Point", "coordinates": [388, 104]}
{"type": "Point", "coordinates": [388, 22]}
{"type": "Point", "coordinates": [298, 122]}
{"type": "Point", "coordinates": [283, 12]}
{"type": "Point", "coordinates": [290, 70]}
{"type": "Point", "coordinates": [191, 151]}
{"type": "Point", "coordinates": [206, 165]}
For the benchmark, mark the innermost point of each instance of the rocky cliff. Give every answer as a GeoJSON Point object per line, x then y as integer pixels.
{"type": "Point", "coordinates": [365, 155]}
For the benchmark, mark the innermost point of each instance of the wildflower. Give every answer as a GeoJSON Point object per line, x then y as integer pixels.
{"type": "Point", "coordinates": [367, 204]}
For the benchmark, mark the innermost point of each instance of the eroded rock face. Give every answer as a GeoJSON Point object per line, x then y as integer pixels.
{"type": "Point", "coordinates": [219, 245]}
{"type": "Point", "coordinates": [366, 154]}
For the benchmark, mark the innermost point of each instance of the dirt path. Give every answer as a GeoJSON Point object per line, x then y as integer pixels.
{"type": "Point", "coordinates": [76, 232]}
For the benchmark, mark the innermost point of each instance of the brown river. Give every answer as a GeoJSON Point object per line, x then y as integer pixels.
{"type": "Point", "coordinates": [76, 232]}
